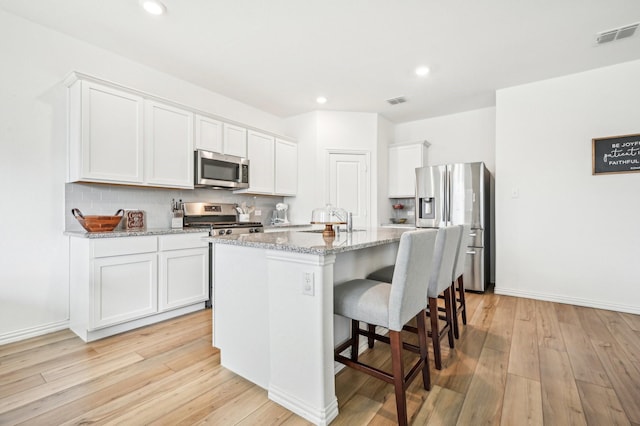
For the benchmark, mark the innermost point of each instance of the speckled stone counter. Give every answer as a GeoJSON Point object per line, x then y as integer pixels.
{"type": "Point", "coordinates": [313, 242]}
{"type": "Point", "coordinates": [141, 233]}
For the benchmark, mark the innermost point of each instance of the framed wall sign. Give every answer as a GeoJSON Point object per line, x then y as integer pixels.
{"type": "Point", "coordinates": [616, 154]}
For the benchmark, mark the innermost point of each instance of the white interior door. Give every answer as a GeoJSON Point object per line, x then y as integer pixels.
{"type": "Point", "coordinates": [349, 185]}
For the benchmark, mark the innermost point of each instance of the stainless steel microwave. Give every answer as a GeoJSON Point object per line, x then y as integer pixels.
{"type": "Point", "coordinates": [215, 170]}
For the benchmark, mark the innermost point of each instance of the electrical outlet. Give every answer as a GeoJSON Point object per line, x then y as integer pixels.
{"type": "Point", "coordinates": [257, 212]}
{"type": "Point", "coordinates": [307, 283]}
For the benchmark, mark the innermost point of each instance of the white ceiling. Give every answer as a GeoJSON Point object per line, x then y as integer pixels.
{"type": "Point", "coordinates": [279, 55]}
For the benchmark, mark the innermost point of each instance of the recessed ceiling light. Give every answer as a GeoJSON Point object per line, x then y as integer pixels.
{"type": "Point", "coordinates": [153, 7]}
{"type": "Point", "coordinates": [422, 71]}
{"type": "Point", "coordinates": [321, 100]}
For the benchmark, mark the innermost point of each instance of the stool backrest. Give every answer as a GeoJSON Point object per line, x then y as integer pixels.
{"type": "Point", "coordinates": [409, 285]}
{"type": "Point", "coordinates": [461, 256]}
{"type": "Point", "coordinates": [446, 250]}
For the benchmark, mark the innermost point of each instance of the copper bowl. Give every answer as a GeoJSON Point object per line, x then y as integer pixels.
{"type": "Point", "coordinates": [98, 223]}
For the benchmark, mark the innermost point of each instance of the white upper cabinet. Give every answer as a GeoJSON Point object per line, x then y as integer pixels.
{"type": "Point", "coordinates": [168, 146]}
{"type": "Point", "coordinates": [273, 165]}
{"type": "Point", "coordinates": [261, 151]}
{"type": "Point", "coordinates": [105, 134]}
{"type": "Point", "coordinates": [286, 168]}
{"type": "Point", "coordinates": [117, 135]}
{"type": "Point", "coordinates": [403, 161]}
{"type": "Point", "coordinates": [208, 134]}
{"type": "Point", "coordinates": [234, 141]}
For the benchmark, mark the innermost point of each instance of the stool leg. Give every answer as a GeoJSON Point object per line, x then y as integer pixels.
{"type": "Point", "coordinates": [424, 352]}
{"type": "Point", "coordinates": [398, 376]}
{"type": "Point", "coordinates": [435, 333]}
{"type": "Point", "coordinates": [355, 328]}
{"type": "Point", "coordinates": [454, 309]}
{"type": "Point", "coordinates": [463, 302]}
{"type": "Point", "coordinates": [448, 310]}
{"type": "Point", "coordinates": [371, 340]}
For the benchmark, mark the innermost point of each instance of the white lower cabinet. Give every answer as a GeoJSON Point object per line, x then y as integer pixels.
{"type": "Point", "coordinates": [125, 288]}
{"type": "Point", "coordinates": [118, 284]}
{"type": "Point", "coordinates": [184, 273]}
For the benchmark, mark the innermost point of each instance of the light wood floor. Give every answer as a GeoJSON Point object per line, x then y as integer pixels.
{"type": "Point", "coordinates": [518, 362]}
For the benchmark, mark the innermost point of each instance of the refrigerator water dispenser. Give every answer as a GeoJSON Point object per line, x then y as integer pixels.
{"type": "Point", "coordinates": [427, 208]}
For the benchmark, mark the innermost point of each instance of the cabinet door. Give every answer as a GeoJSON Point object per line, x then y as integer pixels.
{"type": "Point", "coordinates": [403, 160]}
{"type": "Point", "coordinates": [184, 277]}
{"type": "Point", "coordinates": [169, 146]}
{"type": "Point", "coordinates": [260, 151]}
{"type": "Point", "coordinates": [109, 144]}
{"type": "Point", "coordinates": [208, 134]}
{"type": "Point", "coordinates": [234, 141]}
{"type": "Point", "coordinates": [124, 288]}
{"type": "Point", "coordinates": [286, 168]}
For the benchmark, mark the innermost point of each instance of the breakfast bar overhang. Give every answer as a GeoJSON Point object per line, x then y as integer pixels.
{"type": "Point", "coordinates": [273, 315]}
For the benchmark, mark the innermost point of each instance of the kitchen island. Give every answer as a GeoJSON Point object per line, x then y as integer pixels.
{"type": "Point", "coordinates": [273, 308]}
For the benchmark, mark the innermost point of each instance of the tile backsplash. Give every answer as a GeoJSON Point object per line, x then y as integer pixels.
{"type": "Point", "coordinates": [96, 199]}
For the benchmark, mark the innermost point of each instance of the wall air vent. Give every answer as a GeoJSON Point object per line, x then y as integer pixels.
{"type": "Point", "coordinates": [616, 34]}
{"type": "Point", "coordinates": [398, 100]}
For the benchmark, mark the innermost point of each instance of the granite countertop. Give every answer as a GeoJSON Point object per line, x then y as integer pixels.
{"type": "Point", "coordinates": [313, 242]}
{"type": "Point", "coordinates": [287, 226]}
{"type": "Point", "coordinates": [141, 233]}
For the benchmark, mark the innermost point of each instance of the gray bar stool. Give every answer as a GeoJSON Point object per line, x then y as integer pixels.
{"type": "Point", "coordinates": [392, 306]}
{"type": "Point", "coordinates": [439, 284]}
{"type": "Point", "coordinates": [458, 299]}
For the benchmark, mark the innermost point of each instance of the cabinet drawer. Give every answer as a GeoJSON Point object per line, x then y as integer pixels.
{"type": "Point", "coordinates": [183, 241]}
{"type": "Point", "coordinates": [123, 246]}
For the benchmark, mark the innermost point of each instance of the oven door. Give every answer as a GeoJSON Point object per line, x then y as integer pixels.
{"type": "Point", "coordinates": [220, 171]}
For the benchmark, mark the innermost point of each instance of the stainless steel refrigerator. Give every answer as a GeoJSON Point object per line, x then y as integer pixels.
{"type": "Point", "coordinates": [456, 194]}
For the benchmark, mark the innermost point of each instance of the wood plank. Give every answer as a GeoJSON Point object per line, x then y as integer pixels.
{"type": "Point", "coordinates": [20, 385]}
{"type": "Point", "coordinates": [236, 409]}
{"type": "Point", "coordinates": [42, 354]}
{"type": "Point", "coordinates": [549, 335]}
{"type": "Point", "coordinates": [632, 320]}
{"type": "Point", "coordinates": [60, 406]}
{"type": "Point", "coordinates": [357, 410]}
{"type": "Point", "coordinates": [601, 405]}
{"type": "Point", "coordinates": [584, 360]}
{"type": "Point", "coordinates": [267, 414]}
{"type": "Point", "coordinates": [560, 400]}
{"type": "Point", "coordinates": [92, 367]}
{"type": "Point", "coordinates": [501, 329]}
{"type": "Point", "coordinates": [35, 342]}
{"type": "Point", "coordinates": [623, 375]}
{"type": "Point", "coordinates": [101, 413]}
{"type": "Point", "coordinates": [523, 359]}
{"type": "Point", "coordinates": [522, 402]}
{"type": "Point", "coordinates": [567, 314]}
{"type": "Point", "coordinates": [625, 336]}
{"type": "Point", "coordinates": [188, 404]}
{"type": "Point", "coordinates": [21, 398]}
{"type": "Point", "coordinates": [441, 408]}
{"type": "Point", "coordinates": [483, 402]}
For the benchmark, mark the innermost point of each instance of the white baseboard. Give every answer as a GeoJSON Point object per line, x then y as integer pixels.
{"type": "Point", "coordinates": [589, 303]}
{"type": "Point", "coordinates": [27, 333]}
{"type": "Point", "coordinates": [321, 417]}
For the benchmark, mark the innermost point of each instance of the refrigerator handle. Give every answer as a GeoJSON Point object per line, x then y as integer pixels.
{"type": "Point", "coordinates": [448, 197]}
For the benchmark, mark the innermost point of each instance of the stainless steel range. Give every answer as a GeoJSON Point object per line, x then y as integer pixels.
{"type": "Point", "coordinates": [219, 218]}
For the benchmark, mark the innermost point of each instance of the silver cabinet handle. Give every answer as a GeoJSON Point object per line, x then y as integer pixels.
{"type": "Point", "coordinates": [471, 252]}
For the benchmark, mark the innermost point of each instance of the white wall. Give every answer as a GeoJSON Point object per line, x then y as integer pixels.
{"type": "Point", "coordinates": [34, 288]}
{"type": "Point", "coordinates": [457, 138]}
{"type": "Point", "coordinates": [569, 236]}
{"type": "Point", "coordinates": [317, 133]}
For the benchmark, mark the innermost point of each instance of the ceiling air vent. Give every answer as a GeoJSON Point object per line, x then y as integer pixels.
{"type": "Point", "coordinates": [398, 100]}
{"type": "Point", "coordinates": [616, 34]}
